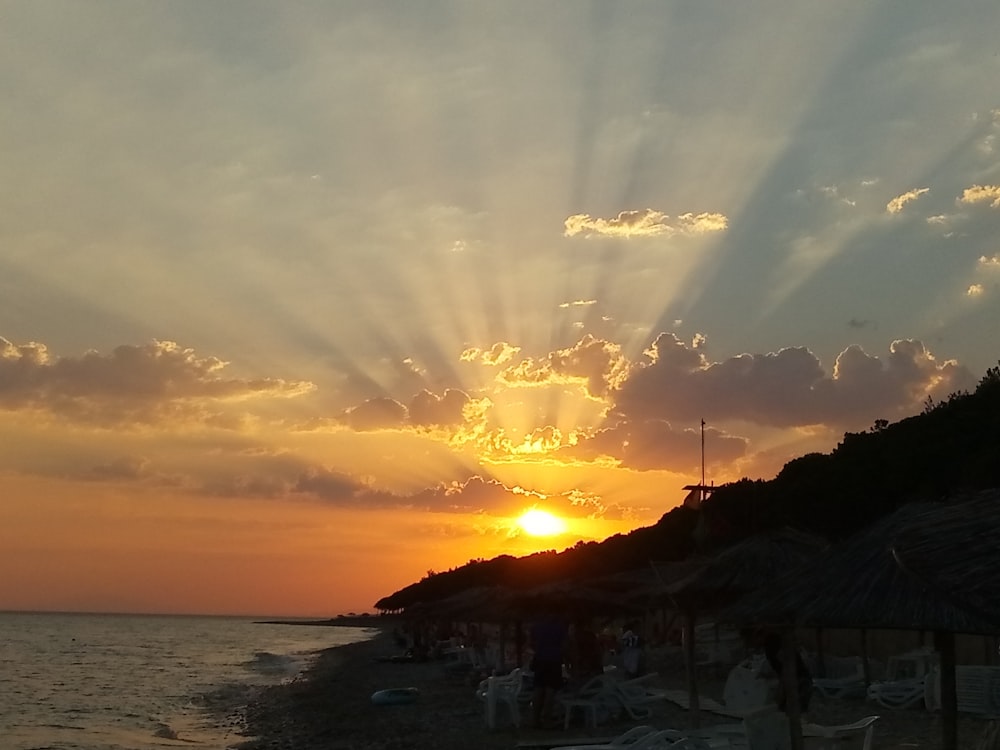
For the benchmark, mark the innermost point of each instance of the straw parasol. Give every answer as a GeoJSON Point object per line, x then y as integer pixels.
{"type": "Point", "coordinates": [955, 550]}
{"type": "Point", "coordinates": [859, 584]}
{"type": "Point", "coordinates": [742, 568]}
{"type": "Point", "coordinates": [570, 599]}
{"type": "Point", "coordinates": [482, 603]}
{"type": "Point", "coordinates": [730, 575]}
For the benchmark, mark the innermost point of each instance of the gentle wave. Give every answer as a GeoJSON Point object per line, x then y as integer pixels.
{"type": "Point", "coordinates": [120, 682]}
{"type": "Point", "coordinates": [264, 662]}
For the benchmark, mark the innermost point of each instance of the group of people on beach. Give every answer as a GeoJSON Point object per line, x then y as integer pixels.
{"type": "Point", "coordinates": [561, 654]}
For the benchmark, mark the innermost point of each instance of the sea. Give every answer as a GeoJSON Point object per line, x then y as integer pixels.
{"type": "Point", "coordinates": [143, 682]}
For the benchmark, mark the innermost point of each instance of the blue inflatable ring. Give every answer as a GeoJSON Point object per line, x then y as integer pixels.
{"type": "Point", "coordinates": [395, 696]}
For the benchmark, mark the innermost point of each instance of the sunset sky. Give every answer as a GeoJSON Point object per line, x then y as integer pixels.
{"type": "Point", "coordinates": [301, 300]}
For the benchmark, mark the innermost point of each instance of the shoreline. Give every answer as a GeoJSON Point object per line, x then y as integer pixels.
{"type": "Point", "coordinates": [342, 621]}
{"type": "Point", "coordinates": [328, 707]}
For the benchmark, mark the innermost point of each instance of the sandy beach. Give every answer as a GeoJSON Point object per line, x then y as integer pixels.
{"type": "Point", "coordinates": [330, 708]}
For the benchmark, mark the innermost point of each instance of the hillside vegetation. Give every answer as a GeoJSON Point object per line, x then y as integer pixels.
{"type": "Point", "coordinates": [950, 448]}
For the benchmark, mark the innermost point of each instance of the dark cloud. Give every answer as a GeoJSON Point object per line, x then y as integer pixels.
{"type": "Point", "coordinates": [788, 388]}
{"type": "Point", "coordinates": [428, 409]}
{"type": "Point", "coordinates": [654, 444]}
{"type": "Point", "coordinates": [124, 467]}
{"type": "Point", "coordinates": [148, 383]}
{"type": "Point", "coordinates": [376, 414]}
{"type": "Point", "coordinates": [328, 485]}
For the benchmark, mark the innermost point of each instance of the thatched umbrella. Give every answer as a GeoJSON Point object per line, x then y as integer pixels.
{"type": "Point", "coordinates": [480, 603]}
{"type": "Point", "coordinates": [730, 575]}
{"type": "Point", "coordinates": [858, 584]}
{"type": "Point", "coordinates": [955, 549]}
{"type": "Point", "coordinates": [570, 599]}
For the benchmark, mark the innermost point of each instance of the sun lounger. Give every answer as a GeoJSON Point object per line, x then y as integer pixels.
{"type": "Point", "coordinates": [906, 677]}
{"type": "Point", "coordinates": [839, 736]}
{"type": "Point", "coordinates": [977, 688]}
{"type": "Point", "coordinates": [624, 740]}
{"type": "Point", "coordinates": [845, 677]}
{"type": "Point", "coordinates": [897, 693]}
{"type": "Point", "coordinates": [681, 698]}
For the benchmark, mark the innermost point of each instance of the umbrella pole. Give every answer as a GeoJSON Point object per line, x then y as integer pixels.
{"type": "Point", "coordinates": [820, 655]}
{"type": "Point", "coordinates": [945, 643]}
{"type": "Point", "coordinates": [689, 657]}
{"type": "Point", "coordinates": [790, 680]}
{"type": "Point", "coordinates": [865, 661]}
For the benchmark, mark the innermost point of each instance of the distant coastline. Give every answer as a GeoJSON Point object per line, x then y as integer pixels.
{"type": "Point", "coordinates": [342, 621]}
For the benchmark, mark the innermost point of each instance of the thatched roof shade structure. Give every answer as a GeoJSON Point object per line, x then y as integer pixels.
{"type": "Point", "coordinates": [569, 599]}
{"type": "Point", "coordinates": [479, 604]}
{"type": "Point", "coordinates": [731, 574]}
{"type": "Point", "coordinates": [743, 568]}
{"type": "Point", "coordinates": [955, 550]}
{"type": "Point", "coordinates": [858, 584]}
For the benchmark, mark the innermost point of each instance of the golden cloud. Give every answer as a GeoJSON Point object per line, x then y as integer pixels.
{"type": "Point", "coordinates": [982, 194]}
{"type": "Point", "coordinates": [498, 354]}
{"type": "Point", "coordinates": [896, 204]}
{"type": "Point", "coordinates": [645, 223]}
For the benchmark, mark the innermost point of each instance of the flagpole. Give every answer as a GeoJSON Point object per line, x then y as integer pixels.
{"type": "Point", "coordinates": [703, 458]}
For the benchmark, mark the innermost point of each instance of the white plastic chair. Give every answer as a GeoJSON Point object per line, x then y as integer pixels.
{"type": "Point", "coordinates": [596, 695]}
{"type": "Point", "coordinates": [496, 690]}
{"type": "Point", "coordinates": [898, 693]}
{"type": "Point", "coordinates": [635, 696]}
{"type": "Point", "coordinates": [845, 677]}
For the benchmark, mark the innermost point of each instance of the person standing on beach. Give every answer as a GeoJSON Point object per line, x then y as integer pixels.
{"type": "Point", "coordinates": [772, 653]}
{"type": "Point", "coordinates": [632, 650]}
{"type": "Point", "coordinates": [548, 641]}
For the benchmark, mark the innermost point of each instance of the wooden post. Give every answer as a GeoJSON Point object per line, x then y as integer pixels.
{"type": "Point", "coordinates": [944, 642]}
{"type": "Point", "coordinates": [501, 661]}
{"type": "Point", "coordinates": [820, 656]}
{"type": "Point", "coordinates": [689, 660]}
{"type": "Point", "coordinates": [865, 662]}
{"type": "Point", "coordinates": [790, 684]}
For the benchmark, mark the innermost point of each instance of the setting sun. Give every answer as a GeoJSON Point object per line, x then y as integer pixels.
{"type": "Point", "coordinates": [541, 523]}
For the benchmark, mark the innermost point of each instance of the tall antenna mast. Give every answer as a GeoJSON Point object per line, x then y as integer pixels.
{"type": "Point", "coordinates": [703, 455]}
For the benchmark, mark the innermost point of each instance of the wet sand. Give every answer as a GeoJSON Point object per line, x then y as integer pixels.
{"type": "Point", "coordinates": [330, 708]}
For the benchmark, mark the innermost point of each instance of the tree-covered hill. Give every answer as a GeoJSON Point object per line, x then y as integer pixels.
{"type": "Point", "coordinates": [952, 447]}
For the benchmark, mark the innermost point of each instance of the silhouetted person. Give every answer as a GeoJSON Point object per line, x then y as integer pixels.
{"type": "Point", "coordinates": [588, 652]}
{"type": "Point", "coordinates": [548, 640]}
{"type": "Point", "coordinates": [632, 649]}
{"type": "Point", "coordinates": [772, 652]}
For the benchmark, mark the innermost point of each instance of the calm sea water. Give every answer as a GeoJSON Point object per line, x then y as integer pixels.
{"type": "Point", "coordinates": [136, 682]}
